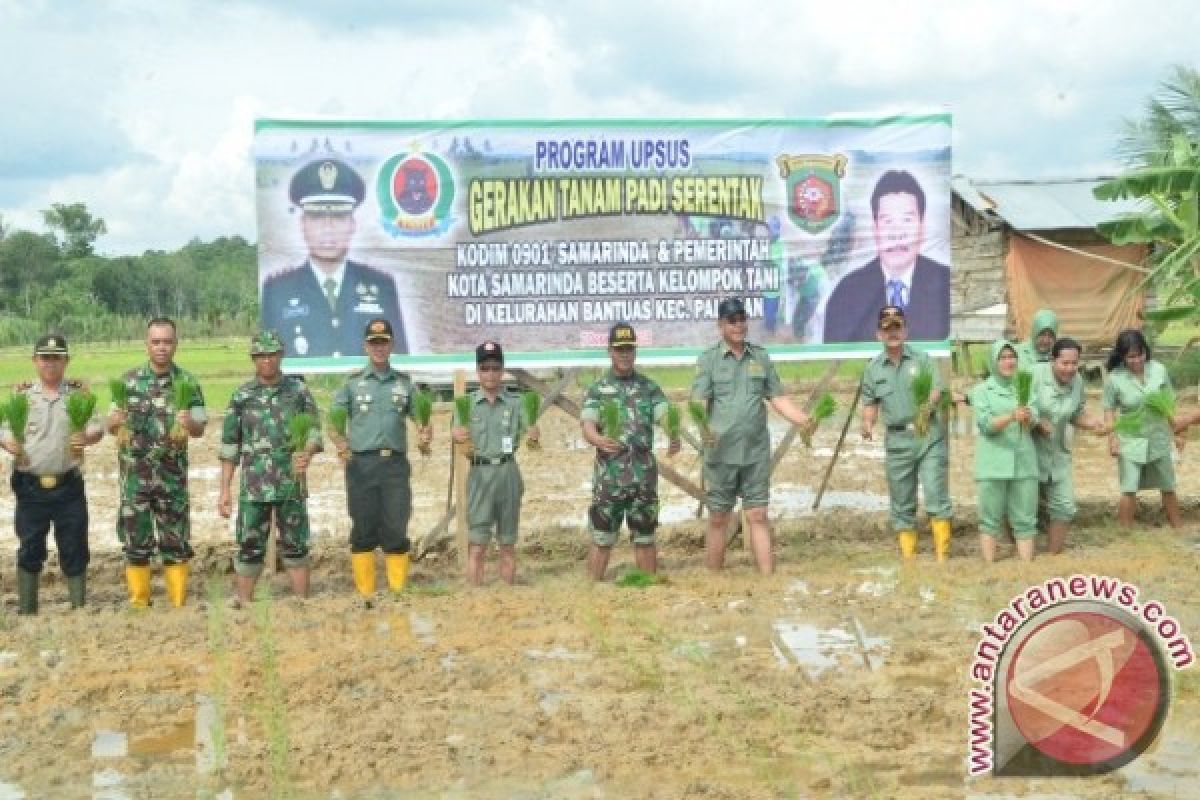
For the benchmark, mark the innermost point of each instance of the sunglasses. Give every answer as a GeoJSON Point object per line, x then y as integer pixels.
{"type": "Point", "coordinates": [491, 368]}
{"type": "Point", "coordinates": [736, 319]}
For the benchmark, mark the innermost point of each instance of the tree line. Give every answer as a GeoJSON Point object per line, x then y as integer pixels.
{"type": "Point", "coordinates": [55, 281]}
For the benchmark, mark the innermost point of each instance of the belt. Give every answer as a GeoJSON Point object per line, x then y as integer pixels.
{"type": "Point", "coordinates": [494, 461]}
{"type": "Point", "coordinates": [898, 428]}
{"type": "Point", "coordinates": [49, 482]}
{"type": "Point", "coordinates": [382, 453]}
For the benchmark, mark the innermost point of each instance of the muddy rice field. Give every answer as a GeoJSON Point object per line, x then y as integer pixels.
{"type": "Point", "coordinates": [842, 675]}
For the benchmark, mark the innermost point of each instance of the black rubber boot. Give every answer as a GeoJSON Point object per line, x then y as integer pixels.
{"type": "Point", "coordinates": [27, 592]}
{"type": "Point", "coordinates": [77, 591]}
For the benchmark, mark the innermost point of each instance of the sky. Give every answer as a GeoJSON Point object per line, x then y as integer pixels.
{"type": "Point", "coordinates": [144, 109]}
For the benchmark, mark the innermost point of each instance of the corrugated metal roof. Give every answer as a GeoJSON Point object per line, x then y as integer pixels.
{"type": "Point", "coordinates": [1041, 205]}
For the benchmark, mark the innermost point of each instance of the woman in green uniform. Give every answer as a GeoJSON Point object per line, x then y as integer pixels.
{"type": "Point", "coordinates": [1006, 466]}
{"type": "Point", "coordinates": [1058, 398]}
{"type": "Point", "coordinates": [1143, 459]}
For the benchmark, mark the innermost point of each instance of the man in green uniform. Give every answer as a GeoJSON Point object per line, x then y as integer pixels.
{"type": "Point", "coordinates": [911, 458]}
{"type": "Point", "coordinates": [737, 380]}
{"type": "Point", "coordinates": [1042, 333]}
{"type": "Point", "coordinates": [255, 435]}
{"type": "Point", "coordinates": [494, 486]}
{"type": "Point", "coordinates": [625, 475]}
{"type": "Point", "coordinates": [153, 467]}
{"type": "Point", "coordinates": [378, 401]}
{"type": "Point", "coordinates": [47, 481]}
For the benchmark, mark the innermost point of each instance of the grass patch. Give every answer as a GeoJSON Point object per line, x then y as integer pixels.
{"type": "Point", "coordinates": [218, 645]}
{"type": "Point", "coordinates": [273, 708]}
{"type": "Point", "coordinates": [638, 579]}
{"type": "Point", "coordinates": [435, 589]}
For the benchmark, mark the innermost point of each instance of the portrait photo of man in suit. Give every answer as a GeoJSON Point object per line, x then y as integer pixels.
{"type": "Point", "coordinates": [898, 275]}
{"type": "Point", "coordinates": [320, 307]}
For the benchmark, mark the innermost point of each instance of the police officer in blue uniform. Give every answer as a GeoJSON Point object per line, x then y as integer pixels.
{"type": "Point", "coordinates": [320, 307]}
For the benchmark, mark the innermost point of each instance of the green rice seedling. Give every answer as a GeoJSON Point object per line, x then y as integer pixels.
{"type": "Point", "coordinates": [81, 406]}
{"type": "Point", "coordinates": [921, 388]}
{"type": "Point", "coordinates": [339, 420]}
{"type": "Point", "coordinates": [673, 422]}
{"type": "Point", "coordinates": [118, 394]}
{"type": "Point", "coordinates": [218, 645]}
{"type": "Point", "coordinates": [274, 708]}
{"type": "Point", "coordinates": [422, 413]}
{"type": "Point", "coordinates": [1161, 404]}
{"type": "Point", "coordinates": [462, 419]}
{"type": "Point", "coordinates": [610, 420]}
{"type": "Point", "coordinates": [638, 579]}
{"type": "Point", "coordinates": [1024, 385]}
{"type": "Point", "coordinates": [299, 429]}
{"type": "Point", "coordinates": [16, 411]}
{"type": "Point", "coordinates": [1130, 424]}
{"type": "Point", "coordinates": [184, 393]}
{"type": "Point", "coordinates": [462, 411]}
{"type": "Point", "coordinates": [825, 408]}
{"type": "Point", "coordinates": [699, 414]}
{"type": "Point", "coordinates": [531, 409]}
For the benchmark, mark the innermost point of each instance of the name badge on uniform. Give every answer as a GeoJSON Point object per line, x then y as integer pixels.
{"type": "Point", "coordinates": [755, 370]}
{"type": "Point", "coordinates": [506, 444]}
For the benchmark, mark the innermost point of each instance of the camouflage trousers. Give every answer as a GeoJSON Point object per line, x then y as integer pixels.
{"type": "Point", "coordinates": [636, 504]}
{"type": "Point", "coordinates": [254, 528]}
{"type": "Point", "coordinates": [154, 495]}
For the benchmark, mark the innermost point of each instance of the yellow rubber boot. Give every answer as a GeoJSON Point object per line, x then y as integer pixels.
{"type": "Point", "coordinates": [363, 567]}
{"type": "Point", "coordinates": [175, 576]}
{"type": "Point", "coordinates": [908, 544]}
{"type": "Point", "coordinates": [397, 571]}
{"type": "Point", "coordinates": [941, 538]}
{"type": "Point", "coordinates": [138, 579]}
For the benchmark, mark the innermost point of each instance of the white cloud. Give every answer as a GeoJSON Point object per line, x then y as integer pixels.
{"type": "Point", "coordinates": [144, 110]}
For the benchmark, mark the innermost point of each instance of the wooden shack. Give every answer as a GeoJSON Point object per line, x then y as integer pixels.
{"type": "Point", "coordinates": [1023, 245]}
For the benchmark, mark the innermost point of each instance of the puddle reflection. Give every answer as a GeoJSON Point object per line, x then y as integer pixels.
{"type": "Point", "coordinates": [818, 649]}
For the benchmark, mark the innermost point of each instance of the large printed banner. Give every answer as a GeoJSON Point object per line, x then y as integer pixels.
{"type": "Point", "coordinates": [543, 234]}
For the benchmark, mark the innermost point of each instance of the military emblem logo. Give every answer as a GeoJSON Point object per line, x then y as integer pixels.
{"type": "Point", "coordinates": [814, 189]}
{"type": "Point", "coordinates": [416, 193]}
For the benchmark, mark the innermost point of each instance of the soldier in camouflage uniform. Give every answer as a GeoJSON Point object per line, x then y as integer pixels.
{"type": "Point", "coordinates": [625, 476]}
{"type": "Point", "coordinates": [255, 435]}
{"type": "Point", "coordinates": [153, 468]}
{"type": "Point", "coordinates": [494, 486]}
{"type": "Point", "coordinates": [737, 381]}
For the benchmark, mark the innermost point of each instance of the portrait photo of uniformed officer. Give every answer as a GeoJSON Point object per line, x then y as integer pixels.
{"type": "Point", "coordinates": [320, 307]}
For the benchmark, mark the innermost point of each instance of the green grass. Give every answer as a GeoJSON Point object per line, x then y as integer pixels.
{"type": "Point", "coordinates": [273, 706]}
{"type": "Point", "coordinates": [221, 365]}
{"type": "Point", "coordinates": [638, 579]}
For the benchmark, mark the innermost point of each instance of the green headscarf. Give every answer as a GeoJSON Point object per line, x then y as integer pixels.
{"type": "Point", "coordinates": [997, 347]}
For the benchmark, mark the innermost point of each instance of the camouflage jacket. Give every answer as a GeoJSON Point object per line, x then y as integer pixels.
{"type": "Point", "coordinates": [255, 435]}
{"type": "Point", "coordinates": [642, 403]}
{"type": "Point", "coordinates": [151, 414]}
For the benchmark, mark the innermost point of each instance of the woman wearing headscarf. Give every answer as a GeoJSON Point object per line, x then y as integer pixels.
{"type": "Point", "coordinates": [1059, 401]}
{"type": "Point", "coordinates": [1006, 464]}
{"type": "Point", "coordinates": [1144, 457]}
{"type": "Point", "coordinates": [1043, 331]}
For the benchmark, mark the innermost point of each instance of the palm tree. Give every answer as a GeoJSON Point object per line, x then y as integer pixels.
{"type": "Point", "coordinates": [1163, 151]}
{"type": "Point", "coordinates": [1172, 111]}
